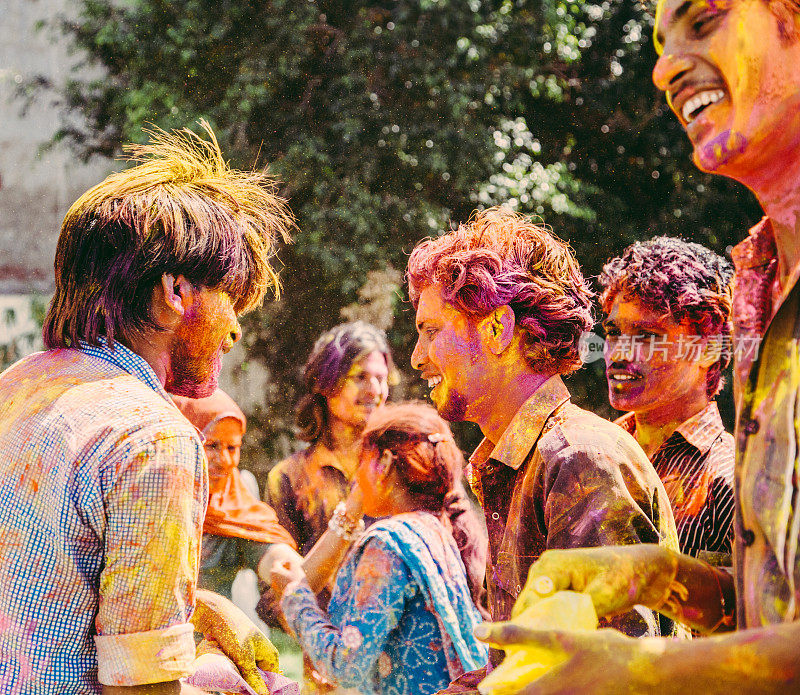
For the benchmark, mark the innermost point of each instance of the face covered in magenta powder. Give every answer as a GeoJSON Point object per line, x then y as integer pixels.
{"type": "Point", "coordinates": [452, 357]}
{"type": "Point", "coordinates": [652, 362]}
{"type": "Point", "coordinates": [208, 330]}
{"type": "Point", "coordinates": [731, 76]}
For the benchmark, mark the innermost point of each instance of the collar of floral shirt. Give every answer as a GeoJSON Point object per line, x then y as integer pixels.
{"type": "Point", "coordinates": [524, 429]}
{"type": "Point", "coordinates": [701, 430]}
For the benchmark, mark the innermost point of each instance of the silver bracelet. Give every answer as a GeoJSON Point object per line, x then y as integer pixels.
{"type": "Point", "coordinates": [344, 526]}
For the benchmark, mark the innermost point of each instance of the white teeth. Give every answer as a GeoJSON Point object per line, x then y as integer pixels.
{"type": "Point", "coordinates": [433, 381]}
{"type": "Point", "coordinates": [700, 100]}
{"type": "Point", "coordinates": [624, 377]}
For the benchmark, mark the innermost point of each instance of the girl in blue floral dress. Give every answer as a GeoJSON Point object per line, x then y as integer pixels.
{"type": "Point", "coordinates": [400, 618]}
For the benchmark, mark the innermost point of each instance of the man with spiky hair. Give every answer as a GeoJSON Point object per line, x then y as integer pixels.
{"type": "Point", "coordinates": [104, 481]}
{"type": "Point", "coordinates": [667, 304]}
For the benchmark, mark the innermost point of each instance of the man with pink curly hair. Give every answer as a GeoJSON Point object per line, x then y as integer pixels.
{"type": "Point", "coordinates": [501, 307]}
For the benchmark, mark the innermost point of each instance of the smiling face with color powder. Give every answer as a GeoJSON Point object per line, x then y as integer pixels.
{"type": "Point", "coordinates": [729, 70]}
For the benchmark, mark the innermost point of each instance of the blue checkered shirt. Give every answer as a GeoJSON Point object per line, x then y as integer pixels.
{"type": "Point", "coordinates": [103, 486]}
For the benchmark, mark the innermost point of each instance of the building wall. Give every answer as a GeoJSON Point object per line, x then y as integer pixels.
{"type": "Point", "coordinates": [36, 186]}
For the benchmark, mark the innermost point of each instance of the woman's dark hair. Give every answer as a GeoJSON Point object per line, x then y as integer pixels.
{"type": "Point", "coordinates": [330, 361]}
{"type": "Point", "coordinates": [425, 457]}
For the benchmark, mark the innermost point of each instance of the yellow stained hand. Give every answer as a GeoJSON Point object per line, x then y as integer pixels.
{"type": "Point", "coordinates": [564, 610]}
{"type": "Point", "coordinates": [615, 577]}
{"type": "Point", "coordinates": [217, 619]}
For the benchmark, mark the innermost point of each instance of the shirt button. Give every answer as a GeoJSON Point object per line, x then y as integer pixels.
{"type": "Point", "coordinates": [748, 537]}
{"type": "Point", "coordinates": [751, 426]}
{"type": "Point", "coordinates": [495, 516]}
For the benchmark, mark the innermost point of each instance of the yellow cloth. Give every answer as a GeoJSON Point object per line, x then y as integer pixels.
{"type": "Point", "coordinates": [564, 610]}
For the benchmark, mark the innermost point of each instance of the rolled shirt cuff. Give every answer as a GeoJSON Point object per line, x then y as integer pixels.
{"type": "Point", "coordinates": [141, 658]}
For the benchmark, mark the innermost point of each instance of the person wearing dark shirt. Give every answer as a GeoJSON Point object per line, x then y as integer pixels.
{"type": "Point", "coordinates": [501, 305]}
{"type": "Point", "coordinates": [729, 71]}
{"type": "Point", "coordinates": [668, 339]}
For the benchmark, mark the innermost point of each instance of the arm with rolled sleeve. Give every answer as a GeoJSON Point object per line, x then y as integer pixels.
{"type": "Point", "coordinates": [155, 495]}
{"type": "Point", "coordinates": [374, 605]}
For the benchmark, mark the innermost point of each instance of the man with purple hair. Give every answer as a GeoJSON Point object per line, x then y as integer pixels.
{"type": "Point", "coordinates": [501, 306]}
{"type": "Point", "coordinates": [729, 69]}
{"type": "Point", "coordinates": [667, 304]}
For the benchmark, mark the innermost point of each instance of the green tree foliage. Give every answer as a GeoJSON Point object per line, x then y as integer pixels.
{"type": "Point", "coordinates": [386, 120]}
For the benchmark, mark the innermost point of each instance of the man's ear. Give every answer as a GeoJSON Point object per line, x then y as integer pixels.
{"type": "Point", "coordinates": [171, 298]}
{"type": "Point", "coordinates": [498, 329]}
{"type": "Point", "coordinates": [711, 352]}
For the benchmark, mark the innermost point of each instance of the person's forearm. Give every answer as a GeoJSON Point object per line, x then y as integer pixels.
{"type": "Point", "coordinates": [701, 596]}
{"type": "Point", "coordinates": [322, 561]}
{"type": "Point", "coordinates": [749, 662]}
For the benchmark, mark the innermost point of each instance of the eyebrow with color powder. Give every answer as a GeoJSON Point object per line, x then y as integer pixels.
{"type": "Point", "coordinates": [658, 39]}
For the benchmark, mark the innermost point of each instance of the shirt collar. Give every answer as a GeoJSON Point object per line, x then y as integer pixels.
{"type": "Point", "coordinates": [320, 455]}
{"type": "Point", "coordinates": [757, 250]}
{"type": "Point", "coordinates": [525, 428]}
{"type": "Point", "coordinates": [628, 423]}
{"type": "Point", "coordinates": [701, 430]}
{"type": "Point", "coordinates": [127, 360]}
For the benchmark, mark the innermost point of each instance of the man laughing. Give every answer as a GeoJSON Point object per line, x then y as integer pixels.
{"type": "Point", "coordinates": [729, 69]}
{"type": "Point", "coordinates": [501, 306]}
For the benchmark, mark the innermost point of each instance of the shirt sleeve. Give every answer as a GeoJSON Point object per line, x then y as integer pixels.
{"type": "Point", "coordinates": [598, 497]}
{"type": "Point", "coordinates": [372, 608]}
{"type": "Point", "coordinates": [155, 500]}
{"type": "Point", "coordinates": [721, 539]}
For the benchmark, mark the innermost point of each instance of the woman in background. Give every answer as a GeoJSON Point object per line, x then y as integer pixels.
{"type": "Point", "coordinates": [347, 376]}
{"type": "Point", "coordinates": [401, 615]}
{"type": "Point", "coordinates": [239, 528]}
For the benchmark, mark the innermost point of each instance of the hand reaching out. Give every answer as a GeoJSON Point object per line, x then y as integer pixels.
{"type": "Point", "coordinates": [615, 577]}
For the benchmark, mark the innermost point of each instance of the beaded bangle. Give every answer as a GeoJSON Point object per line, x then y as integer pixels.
{"type": "Point", "coordinates": [345, 526]}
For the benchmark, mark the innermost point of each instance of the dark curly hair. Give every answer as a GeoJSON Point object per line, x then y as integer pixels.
{"type": "Point", "coordinates": [330, 361]}
{"type": "Point", "coordinates": [502, 258]}
{"type": "Point", "coordinates": [683, 279]}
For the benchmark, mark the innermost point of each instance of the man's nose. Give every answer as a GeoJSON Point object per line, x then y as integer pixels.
{"type": "Point", "coordinates": [418, 356]}
{"type": "Point", "coordinates": [670, 67]}
{"type": "Point", "coordinates": [234, 336]}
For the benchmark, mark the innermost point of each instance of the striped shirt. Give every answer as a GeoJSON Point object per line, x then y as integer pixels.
{"type": "Point", "coordinates": [696, 465]}
{"type": "Point", "coordinates": [102, 500]}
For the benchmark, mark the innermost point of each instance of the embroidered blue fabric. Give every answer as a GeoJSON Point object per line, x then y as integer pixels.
{"type": "Point", "coordinates": [400, 617]}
